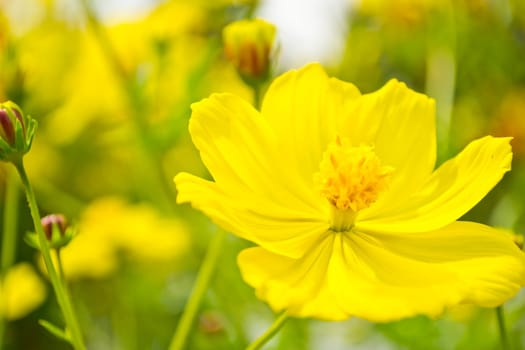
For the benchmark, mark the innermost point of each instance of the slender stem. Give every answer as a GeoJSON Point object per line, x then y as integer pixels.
{"type": "Point", "coordinates": [505, 345]}
{"type": "Point", "coordinates": [60, 266]}
{"type": "Point", "coordinates": [257, 95]}
{"type": "Point", "coordinates": [270, 332]}
{"type": "Point", "coordinates": [56, 281]}
{"type": "Point", "coordinates": [10, 217]}
{"type": "Point", "coordinates": [254, 5]}
{"type": "Point", "coordinates": [10, 221]}
{"type": "Point", "coordinates": [441, 72]}
{"type": "Point", "coordinates": [200, 287]}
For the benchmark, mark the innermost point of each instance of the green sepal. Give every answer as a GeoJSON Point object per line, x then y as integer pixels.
{"type": "Point", "coordinates": [58, 240]}
{"type": "Point", "coordinates": [5, 148]}
{"type": "Point", "coordinates": [30, 133]}
{"type": "Point", "coordinates": [31, 240]}
{"type": "Point", "coordinates": [20, 143]}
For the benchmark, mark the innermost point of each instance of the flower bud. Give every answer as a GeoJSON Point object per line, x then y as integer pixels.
{"type": "Point", "coordinates": [54, 223]}
{"type": "Point", "coordinates": [16, 131]}
{"type": "Point", "coordinates": [56, 229]}
{"type": "Point", "coordinates": [7, 130]}
{"type": "Point", "coordinates": [248, 45]}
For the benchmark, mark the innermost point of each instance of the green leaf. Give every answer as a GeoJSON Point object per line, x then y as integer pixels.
{"type": "Point", "coordinates": [31, 239]}
{"type": "Point", "coordinates": [55, 330]}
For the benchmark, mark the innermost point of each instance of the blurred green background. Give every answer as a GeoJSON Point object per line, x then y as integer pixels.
{"type": "Point", "coordinates": [112, 96]}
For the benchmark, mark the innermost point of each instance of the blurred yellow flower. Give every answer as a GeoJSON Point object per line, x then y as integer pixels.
{"type": "Point", "coordinates": [248, 45]}
{"type": "Point", "coordinates": [88, 256]}
{"type": "Point", "coordinates": [155, 48]}
{"type": "Point", "coordinates": [110, 227]}
{"type": "Point", "coordinates": [98, 83]}
{"type": "Point", "coordinates": [137, 230]}
{"type": "Point", "coordinates": [339, 191]}
{"type": "Point", "coordinates": [21, 292]}
{"type": "Point", "coordinates": [59, 43]}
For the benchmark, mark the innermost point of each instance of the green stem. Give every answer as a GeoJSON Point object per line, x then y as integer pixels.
{"type": "Point", "coordinates": [505, 345]}
{"type": "Point", "coordinates": [10, 222]}
{"type": "Point", "coordinates": [270, 332]}
{"type": "Point", "coordinates": [200, 287]}
{"type": "Point", "coordinates": [257, 96]}
{"type": "Point", "coordinates": [59, 288]}
{"type": "Point", "coordinates": [60, 266]}
{"type": "Point", "coordinates": [441, 72]}
{"type": "Point", "coordinates": [10, 217]}
{"type": "Point", "coordinates": [258, 89]}
{"type": "Point", "coordinates": [254, 5]}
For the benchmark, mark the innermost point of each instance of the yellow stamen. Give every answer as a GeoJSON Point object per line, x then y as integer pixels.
{"type": "Point", "coordinates": [351, 178]}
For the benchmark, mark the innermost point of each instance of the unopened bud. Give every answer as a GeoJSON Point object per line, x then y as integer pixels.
{"type": "Point", "coordinates": [16, 132]}
{"type": "Point", "coordinates": [248, 45]}
{"type": "Point", "coordinates": [54, 222]}
{"type": "Point", "coordinates": [56, 229]}
{"type": "Point", "coordinates": [7, 130]}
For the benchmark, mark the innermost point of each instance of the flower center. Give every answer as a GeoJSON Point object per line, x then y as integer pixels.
{"type": "Point", "coordinates": [351, 178]}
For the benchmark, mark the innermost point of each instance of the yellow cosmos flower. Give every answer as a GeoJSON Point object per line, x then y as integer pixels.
{"type": "Point", "coordinates": [338, 190]}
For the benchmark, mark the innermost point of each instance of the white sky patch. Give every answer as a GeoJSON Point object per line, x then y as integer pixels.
{"type": "Point", "coordinates": [115, 11]}
{"type": "Point", "coordinates": [308, 30]}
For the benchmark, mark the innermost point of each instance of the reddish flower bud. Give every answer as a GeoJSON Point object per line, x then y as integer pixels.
{"type": "Point", "coordinates": [54, 222]}
{"type": "Point", "coordinates": [57, 231]}
{"type": "Point", "coordinates": [16, 132]}
{"type": "Point", "coordinates": [7, 130]}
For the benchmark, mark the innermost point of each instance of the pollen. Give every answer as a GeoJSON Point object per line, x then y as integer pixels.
{"type": "Point", "coordinates": [351, 177]}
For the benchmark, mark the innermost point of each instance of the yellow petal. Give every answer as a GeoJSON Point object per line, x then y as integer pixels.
{"type": "Point", "coordinates": [400, 124]}
{"type": "Point", "coordinates": [254, 194]}
{"type": "Point", "coordinates": [304, 108]}
{"type": "Point", "coordinates": [387, 277]}
{"type": "Point", "coordinates": [241, 151]}
{"type": "Point", "coordinates": [297, 285]}
{"type": "Point", "coordinates": [453, 189]}
{"type": "Point", "coordinates": [383, 277]}
{"type": "Point", "coordinates": [279, 228]}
